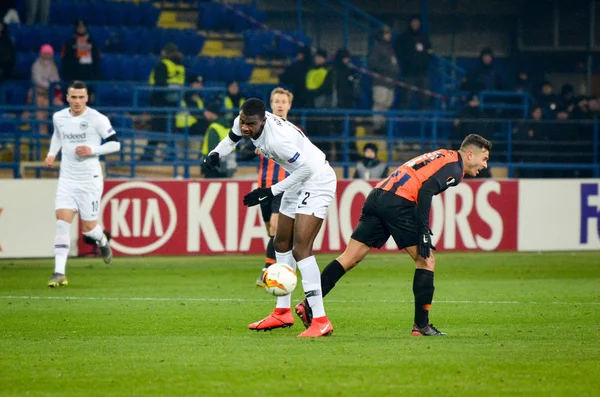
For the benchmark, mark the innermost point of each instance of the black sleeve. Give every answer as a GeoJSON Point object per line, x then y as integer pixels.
{"type": "Point", "coordinates": [160, 74]}
{"type": "Point", "coordinates": [234, 137]}
{"type": "Point", "coordinates": [449, 175]}
{"type": "Point", "coordinates": [112, 138]}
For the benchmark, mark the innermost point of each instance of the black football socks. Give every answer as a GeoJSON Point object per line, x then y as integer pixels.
{"type": "Point", "coordinates": [331, 275]}
{"type": "Point", "coordinates": [423, 290]}
{"type": "Point", "coordinates": [270, 259]}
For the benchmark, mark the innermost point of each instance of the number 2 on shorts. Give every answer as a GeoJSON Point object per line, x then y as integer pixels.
{"type": "Point", "coordinates": [307, 195]}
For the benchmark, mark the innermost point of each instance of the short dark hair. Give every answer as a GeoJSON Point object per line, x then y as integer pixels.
{"type": "Point", "coordinates": [254, 107]}
{"type": "Point", "coordinates": [78, 85]}
{"type": "Point", "coordinates": [370, 145]}
{"type": "Point", "coordinates": [477, 141]}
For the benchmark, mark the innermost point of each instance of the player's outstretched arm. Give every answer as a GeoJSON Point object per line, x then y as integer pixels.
{"type": "Point", "coordinates": [110, 145]}
{"type": "Point", "coordinates": [55, 146]}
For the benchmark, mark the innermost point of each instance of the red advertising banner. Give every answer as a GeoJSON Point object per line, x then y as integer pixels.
{"type": "Point", "coordinates": [207, 217]}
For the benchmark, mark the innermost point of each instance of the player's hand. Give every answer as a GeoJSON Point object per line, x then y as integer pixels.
{"type": "Point", "coordinates": [83, 151]}
{"type": "Point", "coordinates": [212, 161]}
{"type": "Point", "coordinates": [49, 162]}
{"type": "Point", "coordinates": [425, 244]}
{"type": "Point", "coordinates": [257, 196]}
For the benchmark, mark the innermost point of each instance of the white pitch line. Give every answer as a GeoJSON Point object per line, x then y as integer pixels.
{"type": "Point", "coordinates": [152, 299]}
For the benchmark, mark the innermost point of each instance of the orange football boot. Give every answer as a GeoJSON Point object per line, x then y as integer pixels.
{"type": "Point", "coordinates": [320, 326]}
{"type": "Point", "coordinates": [280, 318]}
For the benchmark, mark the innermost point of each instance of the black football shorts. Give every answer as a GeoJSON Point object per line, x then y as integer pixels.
{"type": "Point", "coordinates": [385, 214]}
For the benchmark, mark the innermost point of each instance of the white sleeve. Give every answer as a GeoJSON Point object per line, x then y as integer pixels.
{"type": "Point", "coordinates": [299, 175]}
{"type": "Point", "coordinates": [304, 168]}
{"type": "Point", "coordinates": [55, 143]}
{"type": "Point", "coordinates": [235, 128]}
{"type": "Point", "coordinates": [227, 145]}
{"type": "Point", "coordinates": [104, 128]}
{"type": "Point", "coordinates": [106, 148]}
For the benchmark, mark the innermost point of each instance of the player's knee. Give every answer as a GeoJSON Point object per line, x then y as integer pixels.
{"type": "Point", "coordinates": [87, 227]}
{"type": "Point", "coordinates": [301, 252]}
{"type": "Point", "coordinates": [282, 244]}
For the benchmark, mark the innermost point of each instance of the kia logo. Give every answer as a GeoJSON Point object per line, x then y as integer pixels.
{"type": "Point", "coordinates": [137, 218]}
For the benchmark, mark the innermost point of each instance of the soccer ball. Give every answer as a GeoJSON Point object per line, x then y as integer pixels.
{"type": "Point", "coordinates": [280, 279]}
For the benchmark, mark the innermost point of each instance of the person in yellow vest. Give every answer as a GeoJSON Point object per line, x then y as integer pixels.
{"type": "Point", "coordinates": [191, 117]}
{"type": "Point", "coordinates": [233, 100]}
{"type": "Point", "coordinates": [218, 129]}
{"type": "Point", "coordinates": [319, 82]}
{"type": "Point", "coordinates": [168, 72]}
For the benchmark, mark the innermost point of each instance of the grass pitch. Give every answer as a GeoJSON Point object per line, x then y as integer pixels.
{"type": "Point", "coordinates": [517, 324]}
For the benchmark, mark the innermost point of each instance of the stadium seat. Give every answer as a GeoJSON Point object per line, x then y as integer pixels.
{"type": "Point", "coordinates": [110, 65]}
{"type": "Point", "coordinates": [105, 94]}
{"type": "Point", "coordinates": [143, 67]}
{"type": "Point", "coordinates": [242, 69]}
{"type": "Point", "coordinates": [149, 14]}
{"type": "Point", "coordinates": [16, 93]}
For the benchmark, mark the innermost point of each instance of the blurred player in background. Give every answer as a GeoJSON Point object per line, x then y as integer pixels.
{"type": "Point", "coordinates": [79, 131]}
{"type": "Point", "coordinates": [399, 206]}
{"type": "Point", "coordinates": [307, 192]}
{"type": "Point", "coordinates": [269, 173]}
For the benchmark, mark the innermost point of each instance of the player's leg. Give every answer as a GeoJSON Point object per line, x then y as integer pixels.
{"type": "Point", "coordinates": [370, 232]}
{"type": "Point", "coordinates": [313, 201]}
{"type": "Point", "coordinates": [65, 209]}
{"type": "Point", "coordinates": [273, 220]}
{"type": "Point", "coordinates": [423, 289]}
{"type": "Point", "coordinates": [62, 245]}
{"type": "Point", "coordinates": [88, 201]}
{"type": "Point", "coordinates": [265, 210]}
{"type": "Point", "coordinates": [282, 317]}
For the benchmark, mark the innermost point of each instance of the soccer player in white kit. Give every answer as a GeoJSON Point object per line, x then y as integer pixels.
{"type": "Point", "coordinates": [79, 131]}
{"type": "Point", "coordinates": [307, 192]}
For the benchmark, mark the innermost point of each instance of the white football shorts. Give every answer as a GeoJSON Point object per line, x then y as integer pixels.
{"type": "Point", "coordinates": [81, 196]}
{"type": "Point", "coordinates": [312, 197]}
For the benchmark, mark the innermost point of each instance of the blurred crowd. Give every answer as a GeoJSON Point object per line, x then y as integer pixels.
{"type": "Point", "coordinates": [321, 81]}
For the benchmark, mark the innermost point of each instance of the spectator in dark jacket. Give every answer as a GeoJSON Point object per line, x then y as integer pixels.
{"type": "Point", "coordinates": [413, 50]}
{"type": "Point", "coordinates": [294, 76]}
{"type": "Point", "coordinates": [80, 56]}
{"type": "Point", "coordinates": [470, 120]}
{"type": "Point", "coordinates": [319, 82]}
{"type": "Point", "coordinates": [382, 60]}
{"type": "Point", "coordinates": [370, 167]}
{"type": "Point", "coordinates": [531, 144]}
{"type": "Point", "coordinates": [7, 53]}
{"type": "Point", "coordinates": [484, 76]}
{"type": "Point", "coordinates": [547, 100]}
{"type": "Point", "coordinates": [347, 81]}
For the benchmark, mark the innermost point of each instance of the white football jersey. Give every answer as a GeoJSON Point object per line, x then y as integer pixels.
{"type": "Point", "coordinates": [285, 144]}
{"type": "Point", "coordinates": [87, 129]}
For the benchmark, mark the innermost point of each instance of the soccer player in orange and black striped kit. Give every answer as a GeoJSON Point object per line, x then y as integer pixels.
{"type": "Point", "coordinates": [269, 173]}
{"type": "Point", "coordinates": [399, 206]}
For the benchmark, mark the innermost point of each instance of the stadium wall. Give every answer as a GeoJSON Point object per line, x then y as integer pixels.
{"type": "Point", "coordinates": [205, 217]}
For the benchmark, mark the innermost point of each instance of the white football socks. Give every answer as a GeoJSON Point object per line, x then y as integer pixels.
{"type": "Point", "coordinates": [311, 282]}
{"type": "Point", "coordinates": [97, 234]}
{"type": "Point", "coordinates": [285, 302]}
{"type": "Point", "coordinates": [62, 243]}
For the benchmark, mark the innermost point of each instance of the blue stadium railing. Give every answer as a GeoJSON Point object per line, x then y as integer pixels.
{"type": "Point", "coordinates": [572, 147]}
